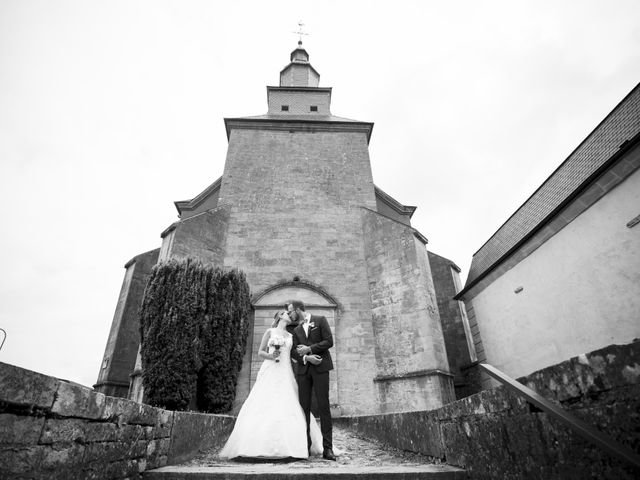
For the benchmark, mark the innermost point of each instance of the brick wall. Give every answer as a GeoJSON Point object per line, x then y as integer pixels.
{"type": "Point", "coordinates": [53, 429]}
{"type": "Point", "coordinates": [299, 103]}
{"type": "Point", "coordinates": [496, 434]}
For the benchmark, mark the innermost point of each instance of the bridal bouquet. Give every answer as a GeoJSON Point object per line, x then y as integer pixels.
{"type": "Point", "coordinates": [276, 342]}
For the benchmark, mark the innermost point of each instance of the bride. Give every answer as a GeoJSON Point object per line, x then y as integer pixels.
{"type": "Point", "coordinates": [271, 423]}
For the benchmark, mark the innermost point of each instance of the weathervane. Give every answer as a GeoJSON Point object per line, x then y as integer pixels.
{"type": "Point", "coordinates": [300, 32]}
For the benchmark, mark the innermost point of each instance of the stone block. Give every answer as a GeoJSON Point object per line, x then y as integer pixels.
{"type": "Point", "coordinates": [123, 468]}
{"type": "Point", "coordinates": [524, 433]}
{"type": "Point", "coordinates": [143, 414]}
{"type": "Point", "coordinates": [78, 401]}
{"type": "Point", "coordinates": [139, 448]}
{"type": "Point", "coordinates": [497, 400]}
{"type": "Point", "coordinates": [156, 462]}
{"type": "Point", "coordinates": [65, 473]}
{"type": "Point", "coordinates": [102, 432]}
{"type": "Point", "coordinates": [486, 452]}
{"type": "Point", "coordinates": [598, 371]}
{"type": "Point", "coordinates": [158, 447]}
{"type": "Point", "coordinates": [456, 442]}
{"type": "Point", "coordinates": [165, 418]}
{"type": "Point", "coordinates": [161, 431]}
{"type": "Point", "coordinates": [619, 418]}
{"type": "Point", "coordinates": [20, 429]}
{"type": "Point", "coordinates": [130, 433]}
{"type": "Point", "coordinates": [105, 452]}
{"type": "Point", "coordinates": [63, 430]}
{"type": "Point", "coordinates": [79, 430]}
{"type": "Point", "coordinates": [62, 455]}
{"type": "Point", "coordinates": [410, 431]}
{"type": "Point", "coordinates": [19, 460]}
{"type": "Point", "coordinates": [164, 446]}
{"type": "Point", "coordinates": [119, 410]}
{"type": "Point", "coordinates": [195, 432]}
{"type": "Point", "coordinates": [25, 387]}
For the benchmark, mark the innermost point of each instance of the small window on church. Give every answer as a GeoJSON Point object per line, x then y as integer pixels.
{"type": "Point", "coordinates": [314, 108]}
{"type": "Point", "coordinates": [285, 108]}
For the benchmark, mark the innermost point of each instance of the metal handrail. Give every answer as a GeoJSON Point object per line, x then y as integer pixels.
{"type": "Point", "coordinates": [603, 440]}
{"type": "Point", "coordinates": [3, 338]}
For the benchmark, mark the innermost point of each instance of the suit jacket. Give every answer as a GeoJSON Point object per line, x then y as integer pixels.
{"type": "Point", "coordinates": [319, 339]}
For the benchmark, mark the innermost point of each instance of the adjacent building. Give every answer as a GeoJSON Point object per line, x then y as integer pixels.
{"type": "Point", "coordinates": [561, 277]}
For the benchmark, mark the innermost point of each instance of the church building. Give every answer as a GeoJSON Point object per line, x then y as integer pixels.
{"type": "Point", "coordinates": [297, 210]}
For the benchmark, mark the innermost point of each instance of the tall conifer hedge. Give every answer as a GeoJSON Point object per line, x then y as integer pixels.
{"type": "Point", "coordinates": [194, 323]}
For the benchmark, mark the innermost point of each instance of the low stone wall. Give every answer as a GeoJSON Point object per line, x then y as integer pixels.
{"type": "Point", "coordinates": [496, 434]}
{"type": "Point", "coordinates": [53, 429]}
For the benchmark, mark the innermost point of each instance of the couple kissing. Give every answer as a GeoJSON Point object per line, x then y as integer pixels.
{"type": "Point", "coordinates": [275, 420]}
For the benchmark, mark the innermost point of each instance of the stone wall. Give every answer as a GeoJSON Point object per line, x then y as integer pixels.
{"type": "Point", "coordinates": [458, 339]}
{"type": "Point", "coordinates": [411, 362]}
{"type": "Point", "coordinates": [496, 434]}
{"type": "Point", "coordinates": [54, 429]}
{"type": "Point", "coordinates": [294, 212]}
{"type": "Point", "coordinates": [124, 337]}
{"type": "Point", "coordinates": [202, 236]}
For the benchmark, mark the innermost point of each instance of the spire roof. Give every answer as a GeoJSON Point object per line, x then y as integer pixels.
{"type": "Point", "coordinates": [299, 73]}
{"type": "Point", "coordinates": [298, 103]}
{"type": "Point", "coordinates": [300, 55]}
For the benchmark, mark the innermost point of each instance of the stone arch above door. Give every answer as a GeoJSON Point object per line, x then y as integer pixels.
{"type": "Point", "coordinates": [276, 295]}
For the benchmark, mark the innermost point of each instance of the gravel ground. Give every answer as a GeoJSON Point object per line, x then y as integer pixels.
{"type": "Point", "coordinates": [355, 452]}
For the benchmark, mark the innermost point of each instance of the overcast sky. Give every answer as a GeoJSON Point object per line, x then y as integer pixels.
{"type": "Point", "coordinates": [112, 110]}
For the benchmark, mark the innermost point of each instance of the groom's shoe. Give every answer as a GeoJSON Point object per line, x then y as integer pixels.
{"type": "Point", "coordinates": [328, 455]}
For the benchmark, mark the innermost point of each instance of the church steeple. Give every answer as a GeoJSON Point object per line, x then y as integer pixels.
{"type": "Point", "coordinates": [300, 54]}
{"type": "Point", "coordinates": [299, 73]}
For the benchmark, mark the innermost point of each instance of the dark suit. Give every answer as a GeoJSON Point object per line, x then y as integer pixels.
{"type": "Point", "coordinates": [315, 377]}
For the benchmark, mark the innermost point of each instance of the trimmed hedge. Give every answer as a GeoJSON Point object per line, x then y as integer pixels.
{"type": "Point", "coordinates": [194, 323]}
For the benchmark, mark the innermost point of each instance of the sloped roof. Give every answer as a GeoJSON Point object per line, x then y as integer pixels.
{"type": "Point", "coordinates": [407, 210]}
{"type": "Point", "coordinates": [620, 126]}
{"type": "Point", "coordinates": [446, 260]}
{"type": "Point", "coordinates": [302, 122]}
{"type": "Point", "coordinates": [308, 118]}
{"type": "Point", "coordinates": [198, 199]}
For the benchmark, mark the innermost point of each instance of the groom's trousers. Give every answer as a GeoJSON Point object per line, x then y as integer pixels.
{"type": "Point", "coordinates": [319, 383]}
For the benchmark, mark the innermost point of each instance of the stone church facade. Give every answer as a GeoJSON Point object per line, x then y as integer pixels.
{"type": "Point", "coordinates": [298, 211]}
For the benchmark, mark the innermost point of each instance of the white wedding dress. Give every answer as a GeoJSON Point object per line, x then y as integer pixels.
{"type": "Point", "coordinates": [271, 422]}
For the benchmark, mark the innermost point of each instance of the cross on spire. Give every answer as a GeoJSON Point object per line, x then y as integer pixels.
{"type": "Point", "coordinates": [300, 32]}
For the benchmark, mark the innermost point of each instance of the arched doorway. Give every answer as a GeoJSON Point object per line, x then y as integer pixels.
{"type": "Point", "coordinates": [317, 302]}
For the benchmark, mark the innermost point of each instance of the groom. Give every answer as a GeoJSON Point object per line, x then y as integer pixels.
{"type": "Point", "coordinates": [312, 340]}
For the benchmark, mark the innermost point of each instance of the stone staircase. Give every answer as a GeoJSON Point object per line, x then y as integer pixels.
{"type": "Point", "coordinates": [359, 459]}
{"type": "Point", "coordinates": [272, 472]}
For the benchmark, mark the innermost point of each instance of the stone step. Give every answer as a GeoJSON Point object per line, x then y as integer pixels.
{"type": "Point", "coordinates": [271, 471]}
{"type": "Point", "coordinates": [358, 458]}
